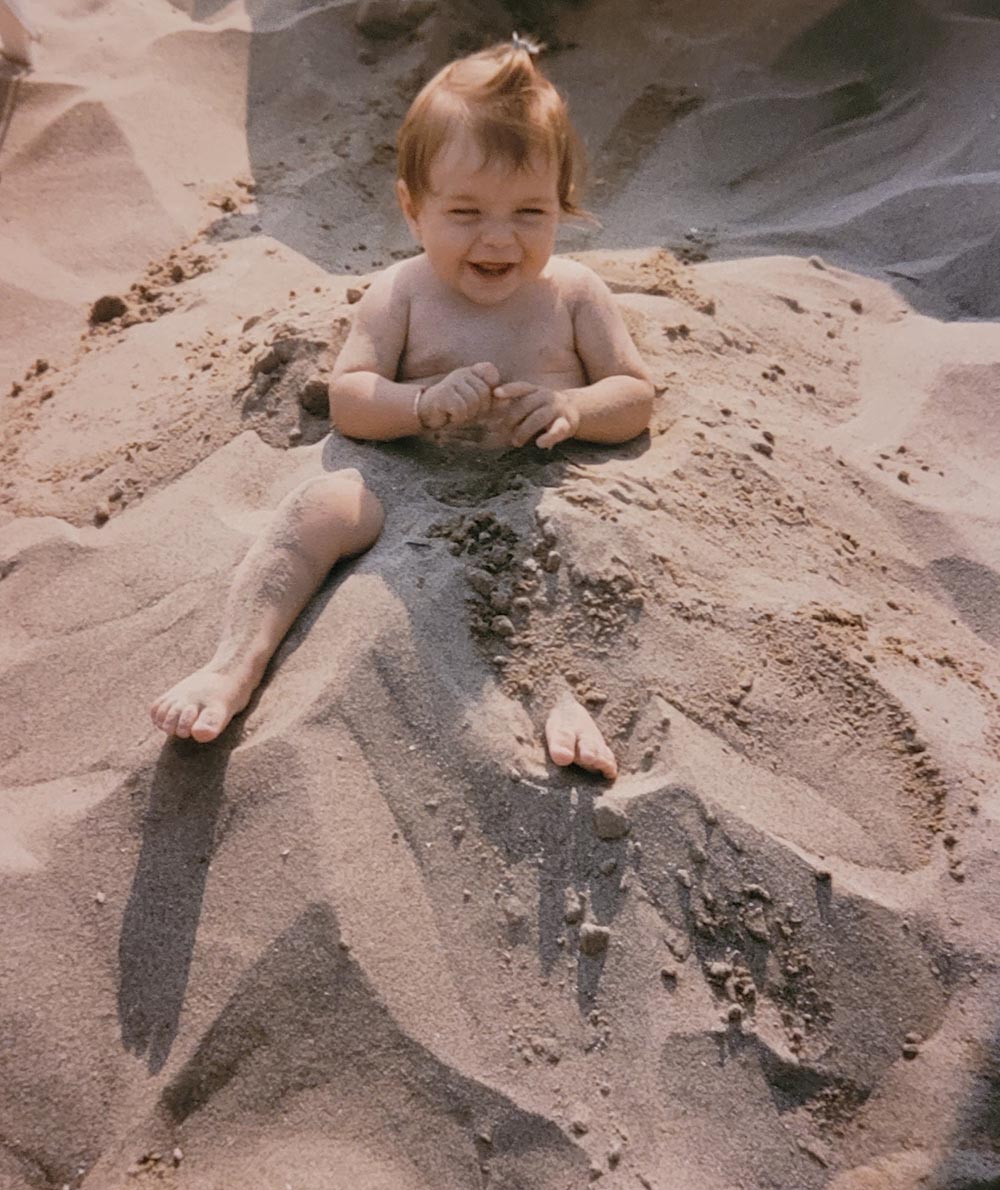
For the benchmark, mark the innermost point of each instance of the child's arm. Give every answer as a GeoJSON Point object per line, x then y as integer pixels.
{"type": "Point", "coordinates": [364, 403]}
{"type": "Point", "coordinates": [617, 402]}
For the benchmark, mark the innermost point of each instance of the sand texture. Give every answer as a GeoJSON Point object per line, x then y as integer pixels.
{"type": "Point", "coordinates": [372, 939]}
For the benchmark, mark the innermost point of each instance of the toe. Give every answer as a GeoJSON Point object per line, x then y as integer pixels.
{"type": "Point", "coordinates": [186, 720]}
{"type": "Point", "coordinates": [562, 745]}
{"type": "Point", "coordinates": [586, 755]}
{"type": "Point", "coordinates": [607, 763]}
{"type": "Point", "coordinates": [594, 754]}
{"type": "Point", "coordinates": [169, 718]}
{"type": "Point", "coordinates": [159, 709]}
{"type": "Point", "coordinates": [209, 723]}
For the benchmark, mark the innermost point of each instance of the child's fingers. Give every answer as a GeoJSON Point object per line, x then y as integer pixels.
{"type": "Point", "coordinates": [519, 409]}
{"type": "Point", "coordinates": [454, 408]}
{"type": "Point", "coordinates": [558, 432]}
{"type": "Point", "coordinates": [487, 372]}
{"type": "Point", "coordinates": [514, 390]}
{"type": "Point", "coordinates": [472, 393]}
{"type": "Point", "coordinates": [532, 425]}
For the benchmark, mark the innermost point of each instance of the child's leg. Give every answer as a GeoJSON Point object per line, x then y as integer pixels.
{"type": "Point", "coordinates": [324, 519]}
{"type": "Point", "coordinates": [572, 736]}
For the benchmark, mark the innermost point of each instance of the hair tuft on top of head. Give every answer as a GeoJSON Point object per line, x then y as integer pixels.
{"type": "Point", "coordinates": [534, 48]}
{"type": "Point", "coordinates": [509, 107]}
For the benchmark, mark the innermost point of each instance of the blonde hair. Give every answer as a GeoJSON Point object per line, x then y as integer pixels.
{"type": "Point", "coordinates": [510, 108]}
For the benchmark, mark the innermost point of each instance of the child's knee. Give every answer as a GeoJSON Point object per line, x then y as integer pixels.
{"type": "Point", "coordinates": [351, 473]}
{"type": "Point", "coordinates": [339, 503]}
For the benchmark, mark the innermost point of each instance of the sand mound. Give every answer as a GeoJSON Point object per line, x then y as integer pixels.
{"type": "Point", "coordinates": [371, 938]}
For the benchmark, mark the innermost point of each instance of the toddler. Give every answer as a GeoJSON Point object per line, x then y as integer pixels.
{"type": "Point", "coordinates": [484, 336]}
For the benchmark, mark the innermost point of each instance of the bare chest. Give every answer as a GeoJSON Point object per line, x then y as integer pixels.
{"type": "Point", "coordinates": [533, 341]}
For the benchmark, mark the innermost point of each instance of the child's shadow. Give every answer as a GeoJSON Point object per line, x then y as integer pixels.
{"type": "Point", "coordinates": [161, 918]}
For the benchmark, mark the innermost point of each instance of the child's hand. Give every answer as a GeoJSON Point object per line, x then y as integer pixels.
{"type": "Point", "coordinates": [533, 409]}
{"type": "Point", "coordinates": [461, 397]}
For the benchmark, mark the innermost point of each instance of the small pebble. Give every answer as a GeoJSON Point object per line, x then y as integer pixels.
{"type": "Point", "coordinates": [572, 907]}
{"type": "Point", "coordinates": [105, 309]}
{"type": "Point", "coordinates": [580, 1119]}
{"type": "Point", "coordinates": [610, 820]}
{"type": "Point", "coordinates": [100, 898]}
{"type": "Point", "coordinates": [594, 939]}
{"type": "Point", "coordinates": [514, 911]}
{"type": "Point", "coordinates": [314, 397]}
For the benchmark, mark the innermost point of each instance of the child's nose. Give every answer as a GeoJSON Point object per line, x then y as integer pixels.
{"type": "Point", "coordinates": [496, 233]}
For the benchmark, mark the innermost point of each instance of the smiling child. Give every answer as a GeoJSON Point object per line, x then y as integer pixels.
{"type": "Point", "coordinates": [484, 335]}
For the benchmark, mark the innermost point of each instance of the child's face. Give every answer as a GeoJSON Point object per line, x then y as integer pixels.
{"type": "Point", "coordinates": [489, 229]}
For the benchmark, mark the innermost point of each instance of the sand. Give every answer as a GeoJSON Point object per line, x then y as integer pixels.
{"type": "Point", "coordinates": [372, 939]}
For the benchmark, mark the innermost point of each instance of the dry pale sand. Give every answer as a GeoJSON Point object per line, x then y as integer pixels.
{"type": "Point", "coordinates": [344, 948]}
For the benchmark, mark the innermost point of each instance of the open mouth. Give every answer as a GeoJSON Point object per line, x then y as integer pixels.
{"type": "Point", "coordinates": [491, 270]}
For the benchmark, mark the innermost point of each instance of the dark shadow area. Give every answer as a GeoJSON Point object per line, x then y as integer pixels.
{"type": "Point", "coordinates": [862, 98]}
{"type": "Point", "coordinates": [973, 1160]}
{"type": "Point", "coordinates": [983, 10]}
{"type": "Point", "coordinates": [975, 592]}
{"type": "Point", "coordinates": [305, 1019]}
{"type": "Point", "coordinates": [876, 39]}
{"type": "Point", "coordinates": [161, 918]}
{"type": "Point", "coordinates": [200, 10]}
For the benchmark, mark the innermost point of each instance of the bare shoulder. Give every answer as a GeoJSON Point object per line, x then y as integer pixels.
{"type": "Point", "coordinates": [380, 320]}
{"type": "Point", "coordinates": [391, 287]}
{"type": "Point", "coordinates": [602, 338]}
{"type": "Point", "coordinates": [575, 280]}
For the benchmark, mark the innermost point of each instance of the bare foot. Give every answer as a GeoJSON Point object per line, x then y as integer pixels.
{"type": "Point", "coordinates": [201, 705]}
{"type": "Point", "coordinates": [574, 738]}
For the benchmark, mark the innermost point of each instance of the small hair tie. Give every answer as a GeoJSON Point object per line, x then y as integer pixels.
{"type": "Point", "coordinates": [525, 43]}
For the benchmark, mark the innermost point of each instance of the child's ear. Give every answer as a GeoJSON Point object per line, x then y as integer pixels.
{"type": "Point", "coordinates": [408, 207]}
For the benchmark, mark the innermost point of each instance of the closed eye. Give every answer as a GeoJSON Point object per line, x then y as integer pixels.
{"type": "Point", "coordinates": [464, 211]}
{"type": "Point", "coordinates": [531, 211]}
